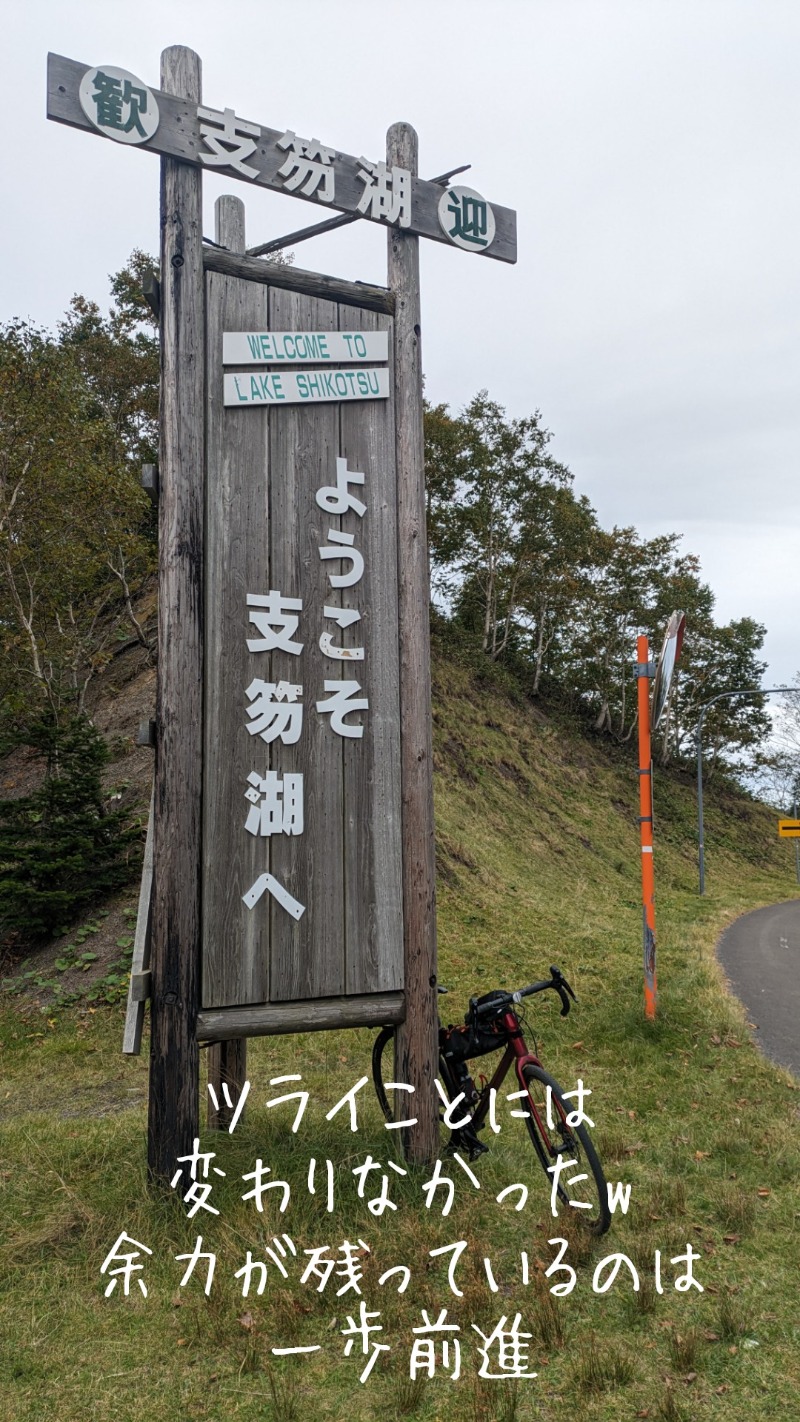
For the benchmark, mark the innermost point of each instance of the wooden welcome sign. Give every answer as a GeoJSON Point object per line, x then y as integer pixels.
{"type": "Point", "coordinates": [291, 845]}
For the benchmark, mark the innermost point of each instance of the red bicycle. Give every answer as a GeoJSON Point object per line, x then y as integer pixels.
{"type": "Point", "coordinates": [493, 1023]}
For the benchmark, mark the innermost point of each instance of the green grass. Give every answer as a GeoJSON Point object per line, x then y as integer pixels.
{"type": "Point", "coordinates": [538, 863]}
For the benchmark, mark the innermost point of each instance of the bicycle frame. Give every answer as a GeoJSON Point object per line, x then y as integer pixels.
{"type": "Point", "coordinates": [517, 1052]}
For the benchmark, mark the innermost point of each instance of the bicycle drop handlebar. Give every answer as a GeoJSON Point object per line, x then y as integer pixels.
{"type": "Point", "coordinates": [495, 1002]}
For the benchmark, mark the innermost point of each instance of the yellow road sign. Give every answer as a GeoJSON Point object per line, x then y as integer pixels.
{"type": "Point", "coordinates": [789, 829]}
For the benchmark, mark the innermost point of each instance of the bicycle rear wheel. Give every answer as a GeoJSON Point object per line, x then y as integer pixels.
{"type": "Point", "coordinates": [582, 1188]}
{"type": "Point", "coordinates": [384, 1039]}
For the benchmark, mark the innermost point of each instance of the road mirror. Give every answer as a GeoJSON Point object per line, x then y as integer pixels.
{"type": "Point", "coordinates": [670, 652]}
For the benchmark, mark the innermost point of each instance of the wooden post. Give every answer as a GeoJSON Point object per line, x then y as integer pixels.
{"type": "Point", "coordinates": [227, 1061]}
{"type": "Point", "coordinates": [416, 1039]}
{"type": "Point", "coordinates": [173, 1120]}
{"type": "Point", "coordinates": [646, 826]}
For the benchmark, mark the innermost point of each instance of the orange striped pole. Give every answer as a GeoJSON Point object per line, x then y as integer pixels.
{"type": "Point", "coordinates": [646, 826]}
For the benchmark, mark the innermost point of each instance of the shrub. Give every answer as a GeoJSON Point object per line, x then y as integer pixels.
{"type": "Point", "coordinates": [60, 849]}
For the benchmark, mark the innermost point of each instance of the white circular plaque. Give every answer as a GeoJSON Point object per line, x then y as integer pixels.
{"type": "Point", "coordinates": [118, 104]}
{"type": "Point", "coordinates": [466, 219]}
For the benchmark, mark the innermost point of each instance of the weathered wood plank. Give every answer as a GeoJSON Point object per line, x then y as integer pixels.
{"type": "Point", "coordinates": [178, 136]}
{"type": "Point", "coordinates": [140, 960]}
{"type": "Point", "coordinates": [307, 956]}
{"type": "Point", "coordinates": [416, 1041]}
{"type": "Point", "coordinates": [374, 912]}
{"type": "Point", "coordinates": [327, 288]}
{"type": "Point", "coordinates": [173, 1100]}
{"type": "Point", "coordinates": [325, 1014]}
{"type": "Point", "coordinates": [235, 941]}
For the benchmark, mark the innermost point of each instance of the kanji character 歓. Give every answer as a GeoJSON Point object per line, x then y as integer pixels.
{"type": "Point", "coordinates": [111, 96]}
{"type": "Point", "coordinates": [276, 803]}
{"type": "Point", "coordinates": [229, 139]}
{"type": "Point", "coordinates": [275, 711]}
{"type": "Point", "coordinates": [309, 167]}
{"type": "Point", "coordinates": [276, 619]}
{"type": "Point", "coordinates": [126, 1265]}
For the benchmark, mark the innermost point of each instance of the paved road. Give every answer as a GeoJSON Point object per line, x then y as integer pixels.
{"type": "Point", "coordinates": [760, 953]}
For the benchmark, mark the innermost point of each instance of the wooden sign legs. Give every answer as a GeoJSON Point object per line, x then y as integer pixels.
{"type": "Point", "coordinates": [227, 1061]}
{"type": "Point", "coordinates": [416, 1039]}
{"type": "Point", "coordinates": [174, 1058]}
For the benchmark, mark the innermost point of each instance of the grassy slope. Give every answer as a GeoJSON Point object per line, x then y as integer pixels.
{"type": "Point", "coordinates": [538, 864]}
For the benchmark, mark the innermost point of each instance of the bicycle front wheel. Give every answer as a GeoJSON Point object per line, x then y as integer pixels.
{"type": "Point", "coordinates": [581, 1188]}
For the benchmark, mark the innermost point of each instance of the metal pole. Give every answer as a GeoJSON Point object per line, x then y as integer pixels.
{"type": "Point", "coordinates": [796, 848]}
{"type": "Point", "coordinates": [723, 695]}
{"type": "Point", "coordinates": [700, 827]}
{"type": "Point", "coordinates": [646, 826]}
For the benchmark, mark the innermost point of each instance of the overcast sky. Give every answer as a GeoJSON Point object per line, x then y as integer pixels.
{"type": "Point", "coordinates": [650, 148]}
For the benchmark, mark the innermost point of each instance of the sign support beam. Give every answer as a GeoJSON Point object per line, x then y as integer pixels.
{"type": "Point", "coordinates": [416, 1039]}
{"type": "Point", "coordinates": [174, 1061]}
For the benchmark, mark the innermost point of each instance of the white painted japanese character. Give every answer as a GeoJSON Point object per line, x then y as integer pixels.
{"type": "Point", "coordinates": [230, 140]}
{"type": "Point", "coordinates": [387, 193]}
{"type": "Point", "coordinates": [335, 498]}
{"type": "Point", "coordinates": [266, 883]}
{"type": "Point", "coordinates": [345, 540]}
{"type": "Point", "coordinates": [273, 711]}
{"type": "Point", "coordinates": [340, 704]}
{"type": "Point", "coordinates": [344, 617]}
{"type": "Point", "coordinates": [277, 623]}
{"type": "Point", "coordinates": [276, 804]}
{"type": "Point", "coordinates": [308, 165]}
